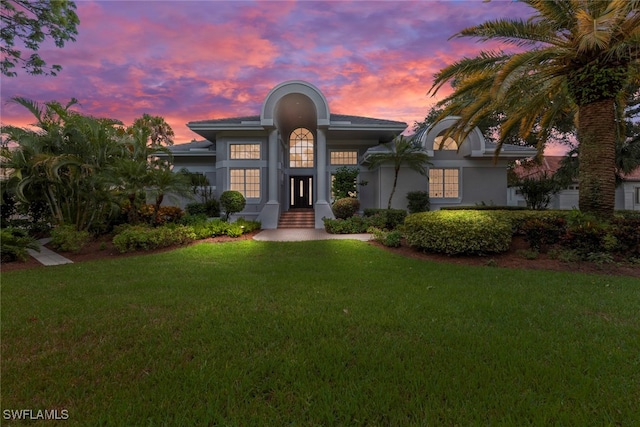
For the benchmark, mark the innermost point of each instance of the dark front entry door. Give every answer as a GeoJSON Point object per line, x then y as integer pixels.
{"type": "Point", "coordinates": [301, 191]}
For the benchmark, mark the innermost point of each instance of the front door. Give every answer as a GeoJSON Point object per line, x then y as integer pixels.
{"type": "Point", "coordinates": [301, 191]}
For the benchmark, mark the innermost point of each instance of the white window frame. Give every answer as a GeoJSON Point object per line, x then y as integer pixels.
{"type": "Point", "coordinates": [443, 188]}
{"type": "Point", "coordinates": [247, 154]}
{"type": "Point", "coordinates": [293, 150]}
{"type": "Point", "coordinates": [340, 161]}
{"type": "Point", "coordinates": [242, 186]}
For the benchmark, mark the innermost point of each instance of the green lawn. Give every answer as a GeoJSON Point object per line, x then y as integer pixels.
{"type": "Point", "coordinates": [318, 333]}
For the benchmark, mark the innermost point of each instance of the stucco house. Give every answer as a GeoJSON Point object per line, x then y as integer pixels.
{"type": "Point", "coordinates": [627, 195]}
{"type": "Point", "coordinates": [283, 159]}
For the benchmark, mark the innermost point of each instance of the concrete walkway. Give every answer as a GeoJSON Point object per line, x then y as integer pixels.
{"type": "Point", "coordinates": [48, 257]}
{"type": "Point", "coordinates": [301, 234]}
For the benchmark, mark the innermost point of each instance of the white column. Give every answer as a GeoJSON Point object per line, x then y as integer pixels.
{"type": "Point", "coordinates": [322, 207]}
{"type": "Point", "coordinates": [273, 166]}
{"type": "Point", "coordinates": [321, 167]}
{"type": "Point", "coordinates": [271, 211]}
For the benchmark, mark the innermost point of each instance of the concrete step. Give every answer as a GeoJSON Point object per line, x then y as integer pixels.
{"type": "Point", "coordinates": [303, 218]}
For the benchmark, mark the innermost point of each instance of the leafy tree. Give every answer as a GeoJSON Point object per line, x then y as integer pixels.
{"type": "Point", "coordinates": [344, 182]}
{"type": "Point", "coordinates": [401, 151]}
{"type": "Point", "coordinates": [232, 201]}
{"type": "Point", "coordinates": [537, 190]}
{"type": "Point", "coordinates": [30, 22]}
{"type": "Point", "coordinates": [581, 58]}
{"type": "Point", "coordinates": [62, 163]}
{"type": "Point", "coordinates": [163, 181]}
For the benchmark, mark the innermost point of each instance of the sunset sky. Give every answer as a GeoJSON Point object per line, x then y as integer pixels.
{"type": "Point", "coordinates": [198, 60]}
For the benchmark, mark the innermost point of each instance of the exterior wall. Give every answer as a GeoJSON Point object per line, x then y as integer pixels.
{"type": "Point", "coordinates": [408, 180]}
{"type": "Point", "coordinates": [224, 164]}
{"type": "Point", "coordinates": [625, 198]}
{"type": "Point", "coordinates": [484, 185]}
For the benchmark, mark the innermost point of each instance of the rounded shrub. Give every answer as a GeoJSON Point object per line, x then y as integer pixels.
{"type": "Point", "coordinates": [67, 239]}
{"type": "Point", "coordinates": [458, 232]}
{"type": "Point", "coordinates": [346, 207]}
{"type": "Point", "coordinates": [232, 201]}
{"type": "Point", "coordinates": [418, 201]}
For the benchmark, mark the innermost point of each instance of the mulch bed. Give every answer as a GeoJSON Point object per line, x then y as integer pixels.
{"type": "Point", "coordinates": [103, 249]}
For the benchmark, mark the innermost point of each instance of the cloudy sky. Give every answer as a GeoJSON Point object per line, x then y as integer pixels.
{"type": "Point", "coordinates": [198, 60]}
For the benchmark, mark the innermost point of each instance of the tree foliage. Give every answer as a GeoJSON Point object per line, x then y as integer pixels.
{"type": "Point", "coordinates": [345, 182]}
{"type": "Point", "coordinates": [401, 151]}
{"type": "Point", "coordinates": [30, 23]}
{"type": "Point", "coordinates": [578, 58]}
{"type": "Point", "coordinates": [84, 168]}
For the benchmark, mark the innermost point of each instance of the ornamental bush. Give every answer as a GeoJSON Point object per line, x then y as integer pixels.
{"type": "Point", "coordinates": [391, 218]}
{"type": "Point", "coordinates": [351, 225]}
{"type": "Point", "coordinates": [67, 239]}
{"type": "Point", "coordinates": [458, 232]}
{"type": "Point", "coordinates": [14, 243]}
{"type": "Point", "coordinates": [345, 208]}
{"type": "Point", "coordinates": [418, 201]}
{"type": "Point", "coordinates": [140, 237]}
{"type": "Point", "coordinates": [232, 202]}
{"type": "Point", "coordinates": [210, 208]}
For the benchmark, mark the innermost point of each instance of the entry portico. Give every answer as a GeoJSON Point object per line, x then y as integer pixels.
{"type": "Point", "coordinates": [293, 146]}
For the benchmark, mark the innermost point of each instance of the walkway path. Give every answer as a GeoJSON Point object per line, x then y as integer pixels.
{"type": "Point", "coordinates": [301, 234]}
{"type": "Point", "coordinates": [47, 256]}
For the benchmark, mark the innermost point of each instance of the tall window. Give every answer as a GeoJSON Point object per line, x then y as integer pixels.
{"type": "Point", "coordinates": [349, 157]}
{"type": "Point", "coordinates": [301, 149]}
{"type": "Point", "coordinates": [443, 183]}
{"type": "Point", "coordinates": [244, 151]}
{"type": "Point", "coordinates": [246, 181]}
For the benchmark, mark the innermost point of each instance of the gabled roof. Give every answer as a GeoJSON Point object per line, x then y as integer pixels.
{"type": "Point", "coordinates": [550, 164]}
{"type": "Point", "coordinates": [533, 169]}
{"type": "Point", "coordinates": [194, 148]}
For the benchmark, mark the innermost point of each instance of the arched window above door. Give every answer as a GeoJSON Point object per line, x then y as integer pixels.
{"type": "Point", "coordinates": [301, 148]}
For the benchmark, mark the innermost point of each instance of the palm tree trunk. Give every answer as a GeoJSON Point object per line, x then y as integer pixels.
{"type": "Point", "coordinates": [393, 190]}
{"type": "Point", "coordinates": [597, 136]}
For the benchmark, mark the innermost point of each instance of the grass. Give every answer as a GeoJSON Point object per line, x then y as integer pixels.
{"type": "Point", "coordinates": [318, 333]}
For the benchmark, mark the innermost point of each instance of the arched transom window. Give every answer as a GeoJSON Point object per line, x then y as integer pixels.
{"type": "Point", "coordinates": [449, 143]}
{"type": "Point", "coordinates": [301, 148]}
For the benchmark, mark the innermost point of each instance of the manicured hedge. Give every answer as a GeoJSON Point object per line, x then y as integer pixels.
{"type": "Point", "coordinates": [456, 232]}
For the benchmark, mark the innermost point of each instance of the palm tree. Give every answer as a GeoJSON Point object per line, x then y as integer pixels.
{"type": "Point", "coordinates": [582, 56]}
{"type": "Point", "coordinates": [401, 151]}
{"type": "Point", "coordinates": [62, 163]}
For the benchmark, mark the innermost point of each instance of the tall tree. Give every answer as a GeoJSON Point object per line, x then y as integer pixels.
{"type": "Point", "coordinates": [401, 151]}
{"type": "Point", "coordinates": [580, 56]}
{"type": "Point", "coordinates": [31, 22]}
{"type": "Point", "coordinates": [62, 162]}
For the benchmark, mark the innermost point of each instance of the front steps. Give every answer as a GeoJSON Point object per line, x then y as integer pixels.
{"type": "Point", "coordinates": [297, 218]}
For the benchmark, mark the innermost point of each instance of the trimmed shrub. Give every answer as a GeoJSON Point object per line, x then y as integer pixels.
{"type": "Point", "coordinates": [418, 201]}
{"type": "Point", "coordinates": [541, 233]}
{"type": "Point", "coordinates": [626, 231]}
{"type": "Point", "coordinates": [391, 239]}
{"type": "Point", "coordinates": [138, 237]}
{"type": "Point", "coordinates": [67, 239]}
{"type": "Point", "coordinates": [345, 208]}
{"type": "Point", "coordinates": [458, 232]}
{"type": "Point", "coordinates": [248, 226]}
{"type": "Point", "coordinates": [210, 208]}
{"type": "Point", "coordinates": [147, 213]}
{"type": "Point", "coordinates": [14, 243]}
{"type": "Point", "coordinates": [351, 225]}
{"type": "Point", "coordinates": [232, 202]}
{"type": "Point", "coordinates": [392, 218]}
